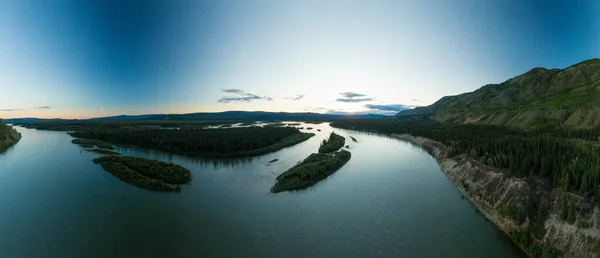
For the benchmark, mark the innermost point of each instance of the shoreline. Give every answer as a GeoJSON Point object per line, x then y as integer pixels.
{"type": "Point", "coordinates": [489, 190]}
{"type": "Point", "coordinates": [11, 138]}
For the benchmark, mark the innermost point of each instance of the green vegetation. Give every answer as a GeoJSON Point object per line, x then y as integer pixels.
{"type": "Point", "coordinates": [545, 158]}
{"type": "Point", "coordinates": [274, 125]}
{"type": "Point", "coordinates": [273, 161]}
{"type": "Point", "coordinates": [333, 143]}
{"type": "Point", "coordinates": [8, 136]}
{"type": "Point", "coordinates": [318, 130]}
{"type": "Point", "coordinates": [217, 143]}
{"type": "Point", "coordinates": [316, 167]}
{"type": "Point", "coordinates": [144, 173]}
{"type": "Point", "coordinates": [309, 128]}
{"type": "Point", "coordinates": [87, 143]}
{"type": "Point", "coordinates": [564, 156]}
{"type": "Point", "coordinates": [103, 151]}
{"type": "Point", "coordinates": [353, 139]}
{"type": "Point", "coordinates": [248, 123]}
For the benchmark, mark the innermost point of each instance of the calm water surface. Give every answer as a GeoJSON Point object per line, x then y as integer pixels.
{"type": "Point", "coordinates": [390, 200]}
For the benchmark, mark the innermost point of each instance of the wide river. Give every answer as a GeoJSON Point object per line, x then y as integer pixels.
{"type": "Point", "coordinates": [390, 200]}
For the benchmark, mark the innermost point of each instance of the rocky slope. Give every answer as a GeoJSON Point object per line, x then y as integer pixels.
{"type": "Point", "coordinates": [540, 97]}
{"type": "Point", "coordinates": [8, 136]}
{"type": "Point", "coordinates": [498, 196]}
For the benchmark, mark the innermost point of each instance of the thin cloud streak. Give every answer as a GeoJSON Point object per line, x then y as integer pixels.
{"type": "Point", "coordinates": [242, 96]}
{"type": "Point", "coordinates": [297, 97]}
{"type": "Point", "coordinates": [353, 97]}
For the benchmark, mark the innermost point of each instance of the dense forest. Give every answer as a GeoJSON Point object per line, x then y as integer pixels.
{"type": "Point", "coordinates": [144, 173]}
{"type": "Point", "coordinates": [566, 158]}
{"type": "Point", "coordinates": [311, 170]}
{"type": "Point", "coordinates": [333, 143]}
{"type": "Point", "coordinates": [222, 143]}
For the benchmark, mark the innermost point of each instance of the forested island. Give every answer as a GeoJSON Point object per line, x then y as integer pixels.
{"type": "Point", "coordinates": [333, 143]}
{"type": "Point", "coordinates": [144, 173]}
{"type": "Point", "coordinates": [8, 136]}
{"type": "Point", "coordinates": [90, 143]}
{"type": "Point", "coordinates": [216, 143]}
{"type": "Point", "coordinates": [311, 170]}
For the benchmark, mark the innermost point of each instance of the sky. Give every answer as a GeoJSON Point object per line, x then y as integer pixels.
{"type": "Point", "coordinates": [81, 59]}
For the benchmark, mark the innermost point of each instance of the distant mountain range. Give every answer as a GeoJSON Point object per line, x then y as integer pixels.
{"type": "Point", "coordinates": [539, 97]}
{"type": "Point", "coordinates": [228, 115]}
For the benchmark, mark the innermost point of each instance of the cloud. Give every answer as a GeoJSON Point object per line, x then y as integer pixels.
{"type": "Point", "coordinates": [238, 91]}
{"type": "Point", "coordinates": [242, 96]}
{"type": "Point", "coordinates": [297, 97]}
{"type": "Point", "coordinates": [352, 100]}
{"type": "Point", "coordinates": [353, 97]}
{"type": "Point", "coordinates": [9, 109]}
{"type": "Point", "coordinates": [389, 107]}
{"type": "Point", "coordinates": [43, 107]}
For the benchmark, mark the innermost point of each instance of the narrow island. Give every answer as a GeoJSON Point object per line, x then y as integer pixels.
{"type": "Point", "coordinates": [90, 143]}
{"type": "Point", "coordinates": [333, 143]}
{"type": "Point", "coordinates": [145, 173]}
{"type": "Point", "coordinates": [353, 139]}
{"type": "Point", "coordinates": [311, 170]}
{"type": "Point", "coordinates": [273, 161]}
{"type": "Point", "coordinates": [213, 143]}
{"type": "Point", "coordinates": [103, 151]}
{"type": "Point", "coordinates": [8, 136]}
{"type": "Point", "coordinates": [309, 128]}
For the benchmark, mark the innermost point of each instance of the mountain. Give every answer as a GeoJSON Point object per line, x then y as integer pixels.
{"type": "Point", "coordinates": [539, 97]}
{"type": "Point", "coordinates": [239, 115]}
{"type": "Point", "coordinates": [228, 115]}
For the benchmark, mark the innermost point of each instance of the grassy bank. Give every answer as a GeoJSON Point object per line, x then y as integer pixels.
{"type": "Point", "coordinates": [144, 173]}
{"type": "Point", "coordinates": [333, 143]}
{"type": "Point", "coordinates": [313, 169]}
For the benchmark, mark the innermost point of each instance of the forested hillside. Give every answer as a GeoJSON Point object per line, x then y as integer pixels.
{"type": "Point", "coordinates": [8, 136]}
{"type": "Point", "coordinates": [555, 171]}
{"type": "Point", "coordinates": [540, 97]}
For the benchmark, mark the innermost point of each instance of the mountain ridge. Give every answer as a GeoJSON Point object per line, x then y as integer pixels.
{"type": "Point", "coordinates": [539, 97]}
{"type": "Point", "coordinates": [226, 115]}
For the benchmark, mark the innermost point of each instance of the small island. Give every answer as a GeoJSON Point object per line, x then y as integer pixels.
{"type": "Point", "coordinates": [8, 136]}
{"type": "Point", "coordinates": [313, 169]}
{"type": "Point", "coordinates": [353, 139]}
{"type": "Point", "coordinates": [333, 143]}
{"type": "Point", "coordinates": [145, 173]}
{"type": "Point", "coordinates": [273, 161]}
{"type": "Point", "coordinates": [90, 143]}
{"type": "Point", "coordinates": [103, 151]}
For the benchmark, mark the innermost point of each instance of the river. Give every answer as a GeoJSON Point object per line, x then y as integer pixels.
{"type": "Point", "coordinates": [390, 200]}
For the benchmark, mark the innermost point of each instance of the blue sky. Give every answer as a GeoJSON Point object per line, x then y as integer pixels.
{"type": "Point", "coordinates": [78, 59]}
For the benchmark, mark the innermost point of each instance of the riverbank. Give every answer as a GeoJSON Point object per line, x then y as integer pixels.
{"type": "Point", "coordinates": [8, 136]}
{"type": "Point", "coordinates": [496, 195]}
